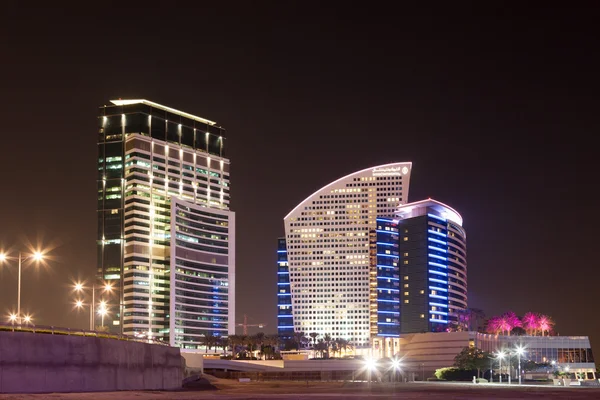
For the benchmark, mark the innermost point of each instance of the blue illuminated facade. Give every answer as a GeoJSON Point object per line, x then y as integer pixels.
{"type": "Point", "coordinates": [388, 277]}
{"type": "Point", "coordinates": [285, 319]}
{"type": "Point", "coordinates": [433, 269]}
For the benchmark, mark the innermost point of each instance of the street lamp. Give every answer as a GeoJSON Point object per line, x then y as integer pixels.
{"type": "Point", "coordinates": [500, 356]}
{"type": "Point", "coordinates": [12, 318]}
{"type": "Point", "coordinates": [37, 256]}
{"type": "Point", "coordinates": [28, 319]}
{"type": "Point", "coordinates": [520, 350]}
{"type": "Point", "coordinates": [79, 287]}
{"type": "Point", "coordinates": [102, 311]}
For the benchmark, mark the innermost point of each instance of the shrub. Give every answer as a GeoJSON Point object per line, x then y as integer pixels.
{"type": "Point", "coordinates": [455, 374]}
{"type": "Point", "coordinates": [482, 380]}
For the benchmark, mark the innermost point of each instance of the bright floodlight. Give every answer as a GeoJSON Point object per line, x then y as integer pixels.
{"type": "Point", "coordinates": [79, 303]}
{"type": "Point", "coordinates": [520, 350]}
{"type": "Point", "coordinates": [108, 287]}
{"type": "Point", "coordinates": [79, 286]}
{"type": "Point", "coordinates": [370, 363]}
{"type": "Point", "coordinates": [27, 318]}
{"type": "Point", "coordinates": [37, 256]}
{"type": "Point", "coordinates": [2, 257]}
{"type": "Point", "coordinates": [553, 362]}
{"type": "Point", "coordinates": [501, 355]}
{"type": "Point", "coordinates": [396, 364]}
{"type": "Point", "coordinates": [13, 317]}
{"type": "Point", "coordinates": [102, 311]}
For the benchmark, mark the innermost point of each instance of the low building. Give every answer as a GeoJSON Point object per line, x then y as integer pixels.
{"type": "Point", "coordinates": [423, 353]}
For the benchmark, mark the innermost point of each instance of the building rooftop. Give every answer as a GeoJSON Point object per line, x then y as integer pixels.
{"type": "Point", "coordinates": [165, 108]}
{"type": "Point", "coordinates": [406, 210]}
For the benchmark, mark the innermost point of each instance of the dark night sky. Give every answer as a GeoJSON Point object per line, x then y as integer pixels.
{"type": "Point", "coordinates": [496, 108]}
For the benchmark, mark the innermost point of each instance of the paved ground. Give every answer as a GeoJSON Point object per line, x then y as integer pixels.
{"type": "Point", "coordinates": [315, 391]}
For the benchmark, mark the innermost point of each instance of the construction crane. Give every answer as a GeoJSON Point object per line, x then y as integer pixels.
{"type": "Point", "coordinates": [245, 325]}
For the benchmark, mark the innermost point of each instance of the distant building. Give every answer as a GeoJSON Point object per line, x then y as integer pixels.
{"type": "Point", "coordinates": [165, 232]}
{"type": "Point", "coordinates": [334, 282]}
{"type": "Point", "coordinates": [433, 266]}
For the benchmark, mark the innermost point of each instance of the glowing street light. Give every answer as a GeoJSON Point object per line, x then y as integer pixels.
{"type": "Point", "coordinates": [12, 318]}
{"type": "Point", "coordinates": [79, 287]}
{"type": "Point", "coordinates": [500, 356]}
{"type": "Point", "coordinates": [520, 350]}
{"type": "Point", "coordinates": [27, 319]}
{"type": "Point", "coordinates": [37, 256]}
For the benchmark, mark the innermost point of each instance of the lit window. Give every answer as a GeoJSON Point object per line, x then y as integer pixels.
{"type": "Point", "coordinates": [406, 254]}
{"type": "Point", "coordinates": [405, 238]}
{"type": "Point", "coordinates": [405, 262]}
{"type": "Point", "coordinates": [405, 277]}
{"type": "Point", "coordinates": [422, 292]}
{"type": "Point", "coordinates": [422, 315]}
{"type": "Point", "coordinates": [406, 285]}
{"type": "Point", "coordinates": [406, 301]}
{"type": "Point", "coordinates": [406, 293]}
{"type": "Point", "coordinates": [434, 292]}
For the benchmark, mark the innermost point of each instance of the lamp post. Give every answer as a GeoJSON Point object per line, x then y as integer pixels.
{"type": "Point", "coordinates": [509, 367]}
{"type": "Point", "coordinates": [107, 287]}
{"type": "Point", "coordinates": [500, 357]}
{"type": "Point", "coordinates": [519, 350]}
{"type": "Point", "coordinates": [36, 256]}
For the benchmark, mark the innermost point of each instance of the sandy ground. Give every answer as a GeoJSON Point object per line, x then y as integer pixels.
{"type": "Point", "coordinates": [328, 390]}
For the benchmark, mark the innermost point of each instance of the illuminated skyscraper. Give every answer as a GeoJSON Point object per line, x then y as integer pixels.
{"type": "Point", "coordinates": [165, 232]}
{"type": "Point", "coordinates": [433, 266]}
{"type": "Point", "coordinates": [332, 256]}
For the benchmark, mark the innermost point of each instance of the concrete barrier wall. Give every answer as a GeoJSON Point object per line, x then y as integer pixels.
{"type": "Point", "coordinates": [43, 363]}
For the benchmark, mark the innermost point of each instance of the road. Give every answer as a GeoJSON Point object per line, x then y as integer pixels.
{"type": "Point", "coordinates": [330, 390]}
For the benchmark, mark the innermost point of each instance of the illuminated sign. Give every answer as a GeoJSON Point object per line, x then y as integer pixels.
{"type": "Point", "coordinates": [390, 171]}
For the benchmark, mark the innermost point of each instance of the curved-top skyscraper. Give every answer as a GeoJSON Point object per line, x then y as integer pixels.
{"type": "Point", "coordinates": [333, 279]}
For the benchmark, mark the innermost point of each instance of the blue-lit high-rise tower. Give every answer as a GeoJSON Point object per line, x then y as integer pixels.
{"type": "Point", "coordinates": [285, 319]}
{"type": "Point", "coordinates": [433, 266]}
{"type": "Point", "coordinates": [385, 265]}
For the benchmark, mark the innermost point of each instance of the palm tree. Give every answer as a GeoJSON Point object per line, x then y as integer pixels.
{"type": "Point", "coordinates": [314, 336]}
{"type": "Point", "coordinates": [531, 323]}
{"type": "Point", "coordinates": [299, 339]}
{"type": "Point", "coordinates": [321, 347]}
{"type": "Point", "coordinates": [545, 324]}
{"type": "Point", "coordinates": [327, 339]}
{"type": "Point", "coordinates": [233, 340]}
{"type": "Point", "coordinates": [209, 341]}
{"type": "Point", "coordinates": [344, 345]}
{"type": "Point", "coordinates": [223, 343]}
{"type": "Point", "coordinates": [271, 343]}
{"type": "Point", "coordinates": [259, 339]}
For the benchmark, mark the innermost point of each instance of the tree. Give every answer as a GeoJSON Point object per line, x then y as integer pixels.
{"type": "Point", "coordinates": [344, 345]}
{"type": "Point", "coordinates": [259, 340]}
{"type": "Point", "coordinates": [320, 347]}
{"type": "Point", "coordinates": [299, 339]}
{"type": "Point", "coordinates": [223, 343]}
{"type": "Point", "coordinates": [314, 336]}
{"type": "Point", "coordinates": [209, 340]}
{"type": "Point", "coordinates": [327, 339]}
{"type": "Point", "coordinates": [545, 324]}
{"type": "Point", "coordinates": [531, 322]}
{"type": "Point", "coordinates": [472, 358]}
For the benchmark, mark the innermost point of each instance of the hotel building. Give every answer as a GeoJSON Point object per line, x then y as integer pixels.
{"type": "Point", "coordinates": [335, 286]}
{"type": "Point", "coordinates": [433, 266]}
{"type": "Point", "coordinates": [166, 236]}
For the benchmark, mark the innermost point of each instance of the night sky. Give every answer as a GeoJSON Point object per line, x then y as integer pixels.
{"type": "Point", "coordinates": [495, 107]}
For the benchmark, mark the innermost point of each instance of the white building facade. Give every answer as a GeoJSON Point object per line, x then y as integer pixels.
{"type": "Point", "coordinates": [165, 232]}
{"type": "Point", "coordinates": [333, 283]}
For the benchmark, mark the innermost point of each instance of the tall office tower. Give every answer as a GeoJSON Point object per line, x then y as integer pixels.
{"type": "Point", "coordinates": [433, 266]}
{"type": "Point", "coordinates": [285, 319]}
{"type": "Point", "coordinates": [165, 232]}
{"type": "Point", "coordinates": [333, 282]}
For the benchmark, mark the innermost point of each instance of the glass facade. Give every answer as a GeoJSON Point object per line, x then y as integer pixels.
{"type": "Point", "coordinates": [285, 318]}
{"type": "Point", "coordinates": [432, 266]}
{"type": "Point", "coordinates": [388, 277]}
{"type": "Point", "coordinates": [202, 249]}
{"type": "Point", "coordinates": [148, 156]}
